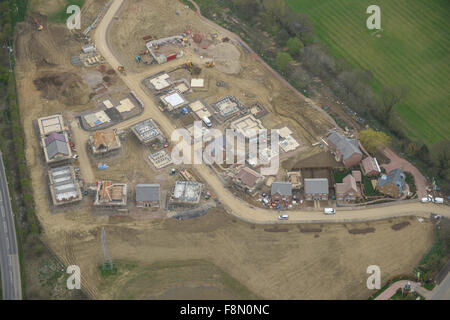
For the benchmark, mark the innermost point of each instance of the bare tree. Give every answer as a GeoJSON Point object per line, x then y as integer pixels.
{"type": "Point", "coordinates": [390, 97]}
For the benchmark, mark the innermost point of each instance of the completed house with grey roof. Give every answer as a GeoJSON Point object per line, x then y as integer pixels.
{"type": "Point", "coordinates": [346, 150]}
{"type": "Point", "coordinates": [392, 184]}
{"type": "Point", "coordinates": [56, 148]}
{"type": "Point", "coordinates": [147, 195]}
{"type": "Point", "coordinates": [316, 189]}
{"type": "Point", "coordinates": [281, 191]}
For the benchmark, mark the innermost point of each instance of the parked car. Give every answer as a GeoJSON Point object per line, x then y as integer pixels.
{"type": "Point", "coordinates": [329, 211]}
{"type": "Point", "coordinates": [426, 199]}
{"type": "Point", "coordinates": [438, 200]}
{"type": "Point", "coordinates": [207, 121]}
{"type": "Point", "coordinates": [283, 217]}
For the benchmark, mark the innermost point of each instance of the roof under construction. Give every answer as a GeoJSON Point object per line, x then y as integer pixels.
{"type": "Point", "coordinates": [111, 194]}
{"type": "Point", "coordinates": [104, 141]}
{"type": "Point", "coordinates": [64, 186]}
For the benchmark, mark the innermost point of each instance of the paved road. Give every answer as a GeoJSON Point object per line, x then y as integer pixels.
{"type": "Point", "coordinates": [233, 205]}
{"type": "Point", "coordinates": [442, 292]}
{"type": "Point", "coordinates": [9, 256]}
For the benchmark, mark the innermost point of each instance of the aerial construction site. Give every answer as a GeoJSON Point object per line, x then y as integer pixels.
{"type": "Point", "coordinates": [99, 106]}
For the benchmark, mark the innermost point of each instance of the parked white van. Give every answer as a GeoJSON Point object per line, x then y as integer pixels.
{"type": "Point", "coordinates": [329, 211]}
{"type": "Point", "coordinates": [207, 121]}
{"type": "Point", "coordinates": [283, 217]}
{"type": "Point", "coordinates": [426, 199]}
{"type": "Point", "coordinates": [438, 200]}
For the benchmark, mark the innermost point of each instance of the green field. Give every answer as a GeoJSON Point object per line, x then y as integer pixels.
{"type": "Point", "coordinates": [413, 50]}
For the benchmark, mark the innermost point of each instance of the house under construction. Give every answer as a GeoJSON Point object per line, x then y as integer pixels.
{"type": "Point", "coordinates": [186, 193]}
{"type": "Point", "coordinates": [111, 195]}
{"type": "Point", "coordinates": [64, 187]}
{"type": "Point", "coordinates": [166, 49]}
{"type": "Point", "coordinates": [104, 143]}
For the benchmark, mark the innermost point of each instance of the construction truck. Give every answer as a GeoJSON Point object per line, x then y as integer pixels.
{"type": "Point", "coordinates": [40, 27]}
{"type": "Point", "coordinates": [210, 64]}
{"type": "Point", "coordinates": [121, 69]}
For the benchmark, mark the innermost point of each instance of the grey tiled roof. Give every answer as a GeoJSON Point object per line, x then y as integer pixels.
{"type": "Point", "coordinates": [147, 192]}
{"type": "Point", "coordinates": [283, 188]}
{"type": "Point", "coordinates": [396, 176]}
{"type": "Point", "coordinates": [319, 185]}
{"type": "Point", "coordinates": [347, 147]}
{"type": "Point", "coordinates": [57, 147]}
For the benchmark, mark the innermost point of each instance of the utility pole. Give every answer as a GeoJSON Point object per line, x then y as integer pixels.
{"type": "Point", "coordinates": [106, 257]}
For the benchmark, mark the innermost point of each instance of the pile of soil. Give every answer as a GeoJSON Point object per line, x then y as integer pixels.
{"type": "Point", "coordinates": [67, 87]}
{"type": "Point", "coordinates": [400, 225]}
{"type": "Point", "coordinates": [276, 230]}
{"type": "Point", "coordinates": [361, 231]}
{"type": "Point", "coordinates": [306, 230]}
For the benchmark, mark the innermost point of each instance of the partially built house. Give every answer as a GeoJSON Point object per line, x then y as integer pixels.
{"type": "Point", "coordinates": [148, 133]}
{"type": "Point", "coordinates": [51, 124]}
{"type": "Point", "coordinates": [158, 83]}
{"type": "Point", "coordinates": [104, 143]}
{"type": "Point", "coordinates": [166, 49]}
{"type": "Point", "coordinates": [227, 108]}
{"type": "Point", "coordinates": [64, 187]}
{"type": "Point", "coordinates": [186, 193]}
{"type": "Point", "coordinates": [173, 100]}
{"type": "Point", "coordinates": [111, 195]}
{"type": "Point", "coordinates": [200, 108]}
{"type": "Point", "coordinates": [248, 126]}
{"type": "Point", "coordinates": [247, 180]}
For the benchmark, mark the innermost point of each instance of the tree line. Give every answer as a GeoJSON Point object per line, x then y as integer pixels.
{"type": "Point", "coordinates": [12, 136]}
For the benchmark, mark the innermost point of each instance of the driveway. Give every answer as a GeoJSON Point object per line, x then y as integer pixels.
{"type": "Point", "coordinates": [405, 165]}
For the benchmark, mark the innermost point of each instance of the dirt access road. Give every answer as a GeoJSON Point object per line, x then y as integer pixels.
{"type": "Point", "coordinates": [233, 205]}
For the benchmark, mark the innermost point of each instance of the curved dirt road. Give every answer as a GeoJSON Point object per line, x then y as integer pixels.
{"type": "Point", "coordinates": [233, 205]}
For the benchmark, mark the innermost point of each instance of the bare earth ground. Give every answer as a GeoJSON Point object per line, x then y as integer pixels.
{"type": "Point", "coordinates": [288, 264]}
{"type": "Point", "coordinates": [243, 259]}
{"type": "Point", "coordinates": [250, 82]}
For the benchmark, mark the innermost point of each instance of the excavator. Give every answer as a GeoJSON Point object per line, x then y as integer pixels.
{"type": "Point", "coordinates": [189, 66]}
{"type": "Point", "coordinates": [121, 69]}
{"type": "Point", "coordinates": [40, 27]}
{"type": "Point", "coordinates": [210, 64]}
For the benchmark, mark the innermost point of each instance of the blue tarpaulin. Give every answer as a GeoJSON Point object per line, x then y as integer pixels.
{"type": "Point", "coordinates": [102, 166]}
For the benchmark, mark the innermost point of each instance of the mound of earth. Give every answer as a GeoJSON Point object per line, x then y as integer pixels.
{"type": "Point", "coordinates": [67, 87]}
{"type": "Point", "coordinates": [226, 57]}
